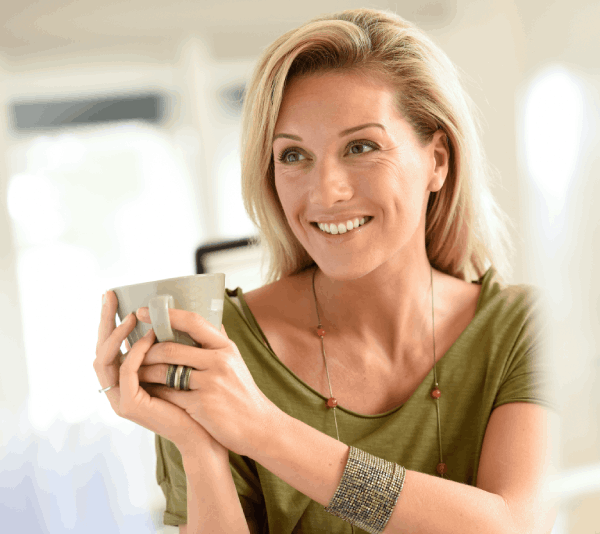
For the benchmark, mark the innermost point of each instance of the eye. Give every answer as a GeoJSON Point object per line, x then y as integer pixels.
{"type": "Point", "coordinates": [290, 156]}
{"type": "Point", "coordinates": [361, 147]}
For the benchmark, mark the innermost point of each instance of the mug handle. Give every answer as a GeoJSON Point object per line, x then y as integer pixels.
{"type": "Point", "coordinates": [159, 315]}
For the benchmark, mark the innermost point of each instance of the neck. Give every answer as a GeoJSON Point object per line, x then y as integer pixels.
{"type": "Point", "coordinates": [391, 314]}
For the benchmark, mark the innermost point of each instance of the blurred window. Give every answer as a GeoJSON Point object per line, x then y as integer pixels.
{"type": "Point", "coordinates": [91, 209]}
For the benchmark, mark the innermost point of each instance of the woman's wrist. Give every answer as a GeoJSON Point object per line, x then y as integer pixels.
{"type": "Point", "coordinates": [199, 463]}
{"type": "Point", "coordinates": [271, 424]}
{"type": "Point", "coordinates": [212, 501]}
{"type": "Point", "coordinates": [197, 449]}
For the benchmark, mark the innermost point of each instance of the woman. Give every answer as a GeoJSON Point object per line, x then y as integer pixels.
{"type": "Point", "coordinates": [371, 386]}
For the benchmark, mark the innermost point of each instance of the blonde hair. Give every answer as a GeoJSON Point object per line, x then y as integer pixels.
{"type": "Point", "coordinates": [465, 229]}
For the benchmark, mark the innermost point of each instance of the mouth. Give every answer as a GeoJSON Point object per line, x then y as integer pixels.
{"type": "Point", "coordinates": [342, 228]}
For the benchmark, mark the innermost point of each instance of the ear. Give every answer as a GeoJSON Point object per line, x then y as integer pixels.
{"type": "Point", "coordinates": [440, 156]}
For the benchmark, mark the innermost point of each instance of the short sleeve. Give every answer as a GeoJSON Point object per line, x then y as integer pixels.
{"type": "Point", "coordinates": [171, 478]}
{"type": "Point", "coordinates": [527, 373]}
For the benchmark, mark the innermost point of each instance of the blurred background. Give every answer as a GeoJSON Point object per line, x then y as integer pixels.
{"type": "Point", "coordinates": [119, 156]}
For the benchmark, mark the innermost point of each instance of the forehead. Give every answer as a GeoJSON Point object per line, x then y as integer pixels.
{"type": "Point", "coordinates": [343, 98]}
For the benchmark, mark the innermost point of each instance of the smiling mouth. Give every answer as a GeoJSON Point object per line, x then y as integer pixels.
{"type": "Point", "coordinates": [341, 228]}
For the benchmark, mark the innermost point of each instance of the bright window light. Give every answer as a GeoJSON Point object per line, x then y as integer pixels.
{"type": "Point", "coordinates": [553, 126]}
{"type": "Point", "coordinates": [90, 211]}
{"type": "Point", "coordinates": [34, 205]}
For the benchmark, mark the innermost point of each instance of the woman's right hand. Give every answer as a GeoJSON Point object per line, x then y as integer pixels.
{"type": "Point", "coordinates": [129, 399]}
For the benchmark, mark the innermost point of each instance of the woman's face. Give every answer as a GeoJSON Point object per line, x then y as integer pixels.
{"type": "Point", "coordinates": [343, 153]}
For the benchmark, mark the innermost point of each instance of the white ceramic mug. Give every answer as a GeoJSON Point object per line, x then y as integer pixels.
{"type": "Point", "coordinates": [200, 293]}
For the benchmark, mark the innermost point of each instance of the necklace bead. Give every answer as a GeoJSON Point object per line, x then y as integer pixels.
{"type": "Point", "coordinates": [332, 402]}
{"type": "Point", "coordinates": [441, 468]}
{"type": "Point", "coordinates": [436, 393]}
{"type": "Point", "coordinates": [320, 332]}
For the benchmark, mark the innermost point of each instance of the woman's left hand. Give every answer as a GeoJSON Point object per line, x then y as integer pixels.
{"type": "Point", "coordinates": [223, 396]}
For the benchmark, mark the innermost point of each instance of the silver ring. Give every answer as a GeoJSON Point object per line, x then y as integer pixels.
{"type": "Point", "coordinates": [177, 378]}
{"type": "Point", "coordinates": [185, 379]}
{"type": "Point", "coordinates": [170, 380]}
{"type": "Point", "coordinates": [106, 389]}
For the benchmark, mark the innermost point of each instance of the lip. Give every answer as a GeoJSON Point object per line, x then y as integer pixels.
{"type": "Point", "coordinates": [339, 218]}
{"type": "Point", "coordinates": [344, 236]}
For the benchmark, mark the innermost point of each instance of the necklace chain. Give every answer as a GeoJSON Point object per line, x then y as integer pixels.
{"type": "Point", "coordinates": [435, 393]}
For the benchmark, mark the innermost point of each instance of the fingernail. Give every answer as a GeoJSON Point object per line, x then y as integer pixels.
{"type": "Point", "coordinates": [126, 318]}
{"type": "Point", "coordinates": [103, 299]}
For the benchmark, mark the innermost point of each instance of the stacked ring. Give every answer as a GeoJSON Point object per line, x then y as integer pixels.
{"type": "Point", "coordinates": [170, 381]}
{"type": "Point", "coordinates": [178, 377]}
{"type": "Point", "coordinates": [185, 379]}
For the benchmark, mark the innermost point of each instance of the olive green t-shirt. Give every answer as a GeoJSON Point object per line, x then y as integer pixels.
{"type": "Point", "coordinates": [496, 360]}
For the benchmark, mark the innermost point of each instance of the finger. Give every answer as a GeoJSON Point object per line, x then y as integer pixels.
{"type": "Point", "coordinates": [153, 374]}
{"type": "Point", "coordinates": [108, 352]}
{"type": "Point", "coordinates": [128, 379]}
{"type": "Point", "coordinates": [178, 354]}
{"type": "Point", "coordinates": [107, 316]}
{"type": "Point", "coordinates": [157, 374]}
{"type": "Point", "coordinates": [174, 396]}
{"type": "Point", "coordinates": [193, 324]}
{"type": "Point", "coordinates": [106, 363]}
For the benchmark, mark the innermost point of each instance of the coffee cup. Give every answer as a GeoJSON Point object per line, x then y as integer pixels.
{"type": "Point", "coordinates": [201, 293]}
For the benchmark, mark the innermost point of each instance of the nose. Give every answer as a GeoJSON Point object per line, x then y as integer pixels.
{"type": "Point", "coordinates": [330, 183]}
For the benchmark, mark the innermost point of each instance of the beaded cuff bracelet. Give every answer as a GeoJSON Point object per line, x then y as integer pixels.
{"type": "Point", "coordinates": [368, 491]}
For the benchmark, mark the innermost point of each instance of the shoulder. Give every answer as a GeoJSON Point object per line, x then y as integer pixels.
{"type": "Point", "coordinates": [516, 325]}
{"type": "Point", "coordinates": [503, 320]}
{"type": "Point", "coordinates": [274, 313]}
{"type": "Point", "coordinates": [286, 299]}
{"type": "Point", "coordinates": [490, 293]}
{"type": "Point", "coordinates": [511, 321]}
{"type": "Point", "coordinates": [515, 303]}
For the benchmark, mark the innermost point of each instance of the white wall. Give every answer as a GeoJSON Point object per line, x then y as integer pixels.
{"type": "Point", "coordinates": [13, 381]}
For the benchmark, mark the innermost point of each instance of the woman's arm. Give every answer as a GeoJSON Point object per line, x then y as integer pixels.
{"type": "Point", "coordinates": [508, 498]}
{"type": "Point", "coordinates": [212, 501]}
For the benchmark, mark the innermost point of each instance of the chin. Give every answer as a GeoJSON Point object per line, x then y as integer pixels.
{"type": "Point", "coordinates": [345, 272]}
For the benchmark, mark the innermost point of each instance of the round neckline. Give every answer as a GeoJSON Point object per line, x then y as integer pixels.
{"type": "Point", "coordinates": [249, 318]}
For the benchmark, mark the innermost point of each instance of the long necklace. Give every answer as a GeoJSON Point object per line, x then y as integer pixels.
{"type": "Point", "coordinates": [435, 392]}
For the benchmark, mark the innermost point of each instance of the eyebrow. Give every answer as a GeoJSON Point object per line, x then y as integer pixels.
{"type": "Point", "coordinates": [342, 134]}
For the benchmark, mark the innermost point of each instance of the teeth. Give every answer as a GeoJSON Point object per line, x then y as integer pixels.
{"type": "Point", "coordinates": [342, 228]}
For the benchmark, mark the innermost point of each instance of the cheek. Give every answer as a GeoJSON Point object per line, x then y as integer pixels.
{"type": "Point", "coordinates": [395, 186]}
{"type": "Point", "coordinates": [385, 180]}
{"type": "Point", "coordinates": [287, 196]}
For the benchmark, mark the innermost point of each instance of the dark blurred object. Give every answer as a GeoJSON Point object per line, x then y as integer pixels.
{"type": "Point", "coordinates": [204, 251]}
{"type": "Point", "coordinates": [38, 115]}
{"type": "Point", "coordinates": [232, 97]}
{"type": "Point", "coordinates": [242, 261]}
